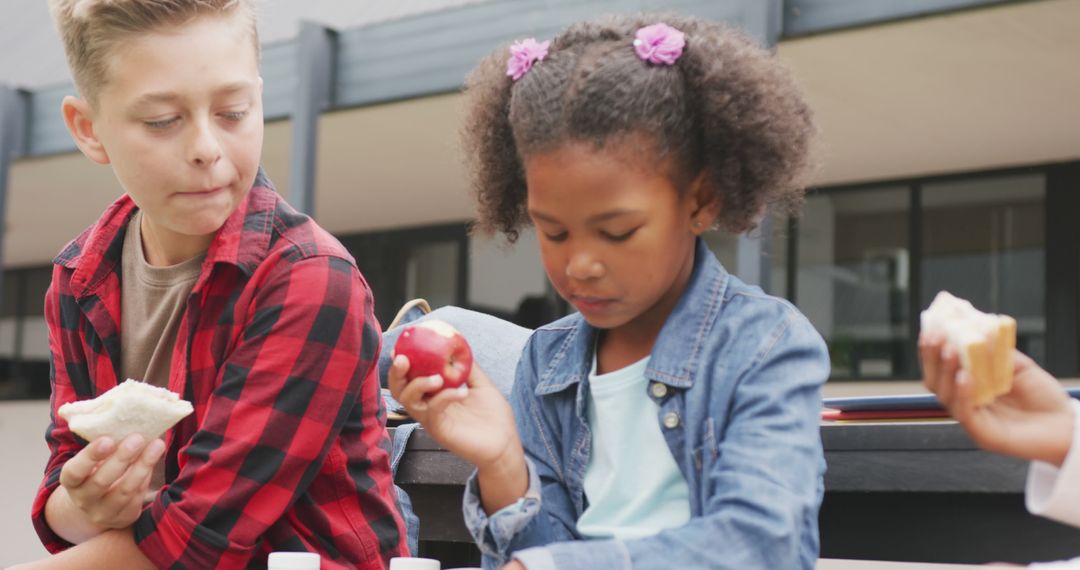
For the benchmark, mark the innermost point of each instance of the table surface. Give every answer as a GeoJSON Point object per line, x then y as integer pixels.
{"type": "Point", "coordinates": [935, 457]}
{"type": "Point", "coordinates": [838, 564]}
{"type": "Point", "coordinates": [893, 491]}
{"type": "Point", "coordinates": [931, 457]}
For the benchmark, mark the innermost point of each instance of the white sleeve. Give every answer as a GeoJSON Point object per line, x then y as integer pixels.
{"type": "Point", "coordinates": [1073, 564]}
{"type": "Point", "coordinates": [1054, 492]}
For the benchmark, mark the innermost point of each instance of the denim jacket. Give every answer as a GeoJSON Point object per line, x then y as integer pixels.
{"type": "Point", "coordinates": [737, 375]}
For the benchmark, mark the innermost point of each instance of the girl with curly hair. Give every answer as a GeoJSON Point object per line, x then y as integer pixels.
{"type": "Point", "coordinates": [672, 422]}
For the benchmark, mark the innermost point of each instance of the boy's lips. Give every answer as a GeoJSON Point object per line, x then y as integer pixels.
{"type": "Point", "coordinates": [203, 192]}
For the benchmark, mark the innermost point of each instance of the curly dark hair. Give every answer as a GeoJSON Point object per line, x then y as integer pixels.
{"type": "Point", "coordinates": [727, 109]}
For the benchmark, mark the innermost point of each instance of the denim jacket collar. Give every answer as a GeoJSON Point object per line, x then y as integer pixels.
{"type": "Point", "coordinates": [678, 347]}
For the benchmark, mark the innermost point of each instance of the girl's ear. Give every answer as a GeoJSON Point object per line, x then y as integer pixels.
{"type": "Point", "coordinates": [79, 118]}
{"type": "Point", "coordinates": [706, 206]}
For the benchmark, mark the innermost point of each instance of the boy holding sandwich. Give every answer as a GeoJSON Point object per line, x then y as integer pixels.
{"type": "Point", "coordinates": [200, 279]}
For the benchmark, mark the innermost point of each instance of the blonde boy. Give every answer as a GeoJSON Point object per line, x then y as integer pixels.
{"type": "Point", "coordinates": [201, 279]}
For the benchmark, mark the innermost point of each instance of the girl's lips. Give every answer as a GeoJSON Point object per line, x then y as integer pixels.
{"type": "Point", "coordinates": [590, 303]}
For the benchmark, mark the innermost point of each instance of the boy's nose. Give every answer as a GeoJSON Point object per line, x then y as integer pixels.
{"type": "Point", "coordinates": [205, 148]}
{"type": "Point", "coordinates": [583, 266]}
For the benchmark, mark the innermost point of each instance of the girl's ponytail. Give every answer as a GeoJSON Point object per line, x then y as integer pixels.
{"type": "Point", "coordinates": [756, 129]}
{"type": "Point", "coordinates": [498, 178]}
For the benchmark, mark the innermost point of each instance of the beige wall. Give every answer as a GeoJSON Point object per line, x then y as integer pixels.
{"type": "Point", "coordinates": [972, 90]}
{"type": "Point", "coordinates": [979, 89]}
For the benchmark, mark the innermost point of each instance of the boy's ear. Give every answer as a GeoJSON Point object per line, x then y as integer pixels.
{"type": "Point", "coordinates": [706, 206]}
{"type": "Point", "coordinates": [79, 118]}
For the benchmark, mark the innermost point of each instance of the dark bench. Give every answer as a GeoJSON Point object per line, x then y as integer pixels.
{"type": "Point", "coordinates": [893, 491]}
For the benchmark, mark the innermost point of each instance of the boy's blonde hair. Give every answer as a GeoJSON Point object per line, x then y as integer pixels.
{"type": "Point", "coordinates": [90, 29]}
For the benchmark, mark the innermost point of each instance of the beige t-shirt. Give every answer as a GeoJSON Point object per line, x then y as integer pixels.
{"type": "Point", "coordinates": [152, 303]}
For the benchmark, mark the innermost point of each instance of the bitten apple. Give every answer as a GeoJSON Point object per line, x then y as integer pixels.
{"type": "Point", "coordinates": [435, 347]}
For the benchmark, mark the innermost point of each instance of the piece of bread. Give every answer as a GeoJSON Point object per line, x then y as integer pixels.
{"type": "Point", "coordinates": [985, 342]}
{"type": "Point", "coordinates": [131, 407]}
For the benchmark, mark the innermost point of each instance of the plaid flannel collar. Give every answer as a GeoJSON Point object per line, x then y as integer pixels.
{"type": "Point", "coordinates": [243, 239]}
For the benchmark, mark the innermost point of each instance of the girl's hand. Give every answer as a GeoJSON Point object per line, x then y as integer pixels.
{"type": "Point", "coordinates": [514, 565]}
{"type": "Point", "coordinates": [474, 423]}
{"type": "Point", "coordinates": [107, 481]}
{"type": "Point", "coordinates": [1033, 421]}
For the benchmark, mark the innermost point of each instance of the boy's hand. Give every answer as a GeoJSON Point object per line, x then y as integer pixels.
{"type": "Point", "coordinates": [1032, 421]}
{"type": "Point", "coordinates": [473, 422]}
{"type": "Point", "coordinates": [107, 482]}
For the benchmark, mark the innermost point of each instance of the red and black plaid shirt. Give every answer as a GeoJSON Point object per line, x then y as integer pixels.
{"type": "Point", "coordinates": [277, 351]}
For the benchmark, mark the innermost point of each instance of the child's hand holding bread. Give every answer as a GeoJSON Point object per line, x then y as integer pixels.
{"type": "Point", "coordinates": [1003, 399]}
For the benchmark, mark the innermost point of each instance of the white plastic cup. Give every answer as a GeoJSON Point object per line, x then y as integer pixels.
{"type": "Point", "coordinates": [402, 563]}
{"type": "Point", "coordinates": [293, 561]}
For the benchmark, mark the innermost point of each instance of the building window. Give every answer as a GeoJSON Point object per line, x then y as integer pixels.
{"type": "Point", "coordinates": [775, 250]}
{"type": "Point", "coordinates": [853, 276]}
{"type": "Point", "coordinates": [24, 337]}
{"type": "Point", "coordinates": [868, 259]}
{"type": "Point", "coordinates": [403, 264]}
{"type": "Point", "coordinates": [431, 272]}
{"type": "Point", "coordinates": [984, 240]}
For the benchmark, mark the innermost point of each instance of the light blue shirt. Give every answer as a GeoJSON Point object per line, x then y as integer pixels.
{"type": "Point", "coordinates": [632, 484]}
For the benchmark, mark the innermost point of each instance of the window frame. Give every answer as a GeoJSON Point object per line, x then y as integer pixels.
{"type": "Point", "coordinates": [1061, 196]}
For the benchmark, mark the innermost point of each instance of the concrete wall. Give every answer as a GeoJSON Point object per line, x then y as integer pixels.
{"type": "Point", "coordinates": [23, 453]}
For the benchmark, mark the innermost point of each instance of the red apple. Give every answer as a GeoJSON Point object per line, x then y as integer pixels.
{"type": "Point", "coordinates": [433, 348]}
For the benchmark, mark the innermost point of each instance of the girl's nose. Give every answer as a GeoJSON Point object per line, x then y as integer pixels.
{"type": "Point", "coordinates": [583, 266]}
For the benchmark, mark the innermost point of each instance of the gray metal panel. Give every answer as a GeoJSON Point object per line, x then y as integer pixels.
{"type": "Point", "coordinates": [433, 53]}
{"type": "Point", "coordinates": [31, 55]}
{"type": "Point", "coordinates": [48, 133]}
{"type": "Point", "coordinates": [14, 105]}
{"type": "Point", "coordinates": [13, 124]}
{"type": "Point", "coordinates": [279, 72]}
{"type": "Point", "coordinates": [315, 87]}
{"type": "Point", "coordinates": [814, 16]}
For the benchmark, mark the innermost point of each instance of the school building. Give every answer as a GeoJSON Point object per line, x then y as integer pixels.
{"type": "Point", "coordinates": [949, 151]}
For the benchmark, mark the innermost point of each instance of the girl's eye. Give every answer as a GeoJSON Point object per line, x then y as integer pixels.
{"type": "Point", "coordinates": [556, 237]}
{"type": "Point", "coordinates": [619, 237]}
{"type": "Point", "coordinates": [162, 123]}
{"type": "Point", "coordinates": [235, 116]}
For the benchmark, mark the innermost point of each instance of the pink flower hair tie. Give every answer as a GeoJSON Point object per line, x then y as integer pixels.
{"type": "Point", "coordinates": [659, 44]}
{"type": "Point", "coordinates": [523, 54]}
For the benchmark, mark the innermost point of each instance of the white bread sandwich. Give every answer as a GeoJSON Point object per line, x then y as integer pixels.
{"type": "Point", "coordinates": [984, 341]}
{"type": "Point", "coordinates": [131, 407]}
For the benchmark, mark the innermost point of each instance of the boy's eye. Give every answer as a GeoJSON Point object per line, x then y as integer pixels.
{"type": "Point", "coordinates": [618, 237]}
{"type": "Point", "coordinates": [161, 123]}
{"type": "Point", "coordinates": [234, 115]}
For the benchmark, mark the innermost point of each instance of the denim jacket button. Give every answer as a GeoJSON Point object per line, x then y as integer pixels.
{"type": "Point", "coordinates": [671, 420]}
{"type": "Point", "coordinates": [659, 390]}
